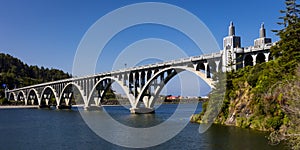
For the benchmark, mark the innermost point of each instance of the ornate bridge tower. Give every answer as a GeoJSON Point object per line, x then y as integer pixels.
{"type": "Point", "coordinates": [235, 57]}
{"type": "Point", "coordinates": [262, 40]}
{"type": "Point", "coordinates": [231, 44]}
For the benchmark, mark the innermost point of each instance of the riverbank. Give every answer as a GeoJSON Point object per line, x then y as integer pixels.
{"type": "Point", "coordinates": [18, 106]}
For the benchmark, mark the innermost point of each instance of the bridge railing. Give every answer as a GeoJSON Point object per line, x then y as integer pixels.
{"type": "Point", "coordinates": [150, 66]}
{"type": "Point", "coordinates": [258, 48]}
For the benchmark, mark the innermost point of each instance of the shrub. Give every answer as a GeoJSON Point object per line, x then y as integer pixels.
{"type": "Point", "coordinates": [274, 122]}
{"type": "Point", "coordinates": [4, 101]}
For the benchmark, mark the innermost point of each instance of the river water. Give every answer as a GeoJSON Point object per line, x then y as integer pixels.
{"type": "Point", "coordinates": [65, 129]}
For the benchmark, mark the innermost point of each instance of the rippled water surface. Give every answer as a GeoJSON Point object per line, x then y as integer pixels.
{"type": "Point", "coordinates": [65, 129]}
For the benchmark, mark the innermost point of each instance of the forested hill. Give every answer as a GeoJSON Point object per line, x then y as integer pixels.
{"type": "Point", "coordinates": [14, 73]}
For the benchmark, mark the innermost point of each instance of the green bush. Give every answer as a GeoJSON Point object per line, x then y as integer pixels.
{"type": "Point", "coordinates": [242, 122]}
{"type": "Point", "coordinates": [204, 107]}
{"type": "Point", "coordinates": [274, 122]}
{"type": "Point", "coordinates": [4, 101]}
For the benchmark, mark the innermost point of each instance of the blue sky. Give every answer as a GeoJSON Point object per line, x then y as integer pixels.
{"type": "Point", "coordinates": [48, 32]}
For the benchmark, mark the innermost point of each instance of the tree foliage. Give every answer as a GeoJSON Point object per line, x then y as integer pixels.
{"type": "Point", "coordinates": [14, 73]}
{"type": "Point", "coordinates": [290, 34]}
{"type": "Point", "coordinates": [291, 13]}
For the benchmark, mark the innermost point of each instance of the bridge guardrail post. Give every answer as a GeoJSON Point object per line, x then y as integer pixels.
{"type": "Point", "coordinates": [5, 93]}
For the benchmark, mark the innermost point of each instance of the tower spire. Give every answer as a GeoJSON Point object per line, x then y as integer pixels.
{"type": "Point", "coordinates": [231, 31]}
{"type": "Point", "coordinates": [262, 31]}
{"type": "Point", "coordinates": [262, 40]}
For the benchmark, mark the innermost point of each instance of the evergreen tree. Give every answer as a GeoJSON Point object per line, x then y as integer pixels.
{"type": "Point", "coordinates": [288, 48]}
{"type": "Point", "coordinates": [290, 34]}
{"type": "Point", "coordinates": [14, 74]}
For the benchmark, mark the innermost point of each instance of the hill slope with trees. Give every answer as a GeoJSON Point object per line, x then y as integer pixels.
{"type": "Point", "coordinates": [14, 74]}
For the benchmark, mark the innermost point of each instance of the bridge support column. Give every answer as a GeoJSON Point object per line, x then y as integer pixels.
{"type": "Point", "coordinates": [5, 93]}
{"type": "Point", "coordinates": [217, 65]}
{"type": "Point", "coordinates": [254, 59]}
{"type": "Point", "coordinates": [97, 101]}
{"type": "Point", "coordinates": [47, 102]}
{"type": "Point", "coordinates": [206, 70]}
{"type": "Point", "coordinates": [31, 99]}
{"type": "Point", "coordinates": [243, 62]}
{"type": "Point", "coordinates": [67, 100]}
{"type": "Point", "coordinates": [266, 56]}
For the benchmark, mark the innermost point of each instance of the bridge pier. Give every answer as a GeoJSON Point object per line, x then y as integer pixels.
{"type": "Point", "coordinates": [63, 107]}
{"type": "Point", "coordinates": [142, 110]}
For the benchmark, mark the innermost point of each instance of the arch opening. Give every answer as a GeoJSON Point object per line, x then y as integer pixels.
{"type": "Point", "coordinates": [21, 98]}
{"type": "Point", "coordinates": [248, 60]}
{"type": "Point", "coordinates": [260, 58]}
{"type": "Point", "coordinates": [200, 66]}
{"type": "Point", "coordinates": [32, 98]}
{"type": "Point", "coordinates": [13, 100]}
{"type": "Point", "coordinates": [102, 90]}
{"type": "Point", "coordinates": [48, 97]}
{"type": "Point", "coordinates": [151, 98]}
{"type": "Point", "coordinates": [11, 96]}
{"type": "Point", "coordinates": [102, 94]}
{"type": "Point", "coordinates": [71, 95]}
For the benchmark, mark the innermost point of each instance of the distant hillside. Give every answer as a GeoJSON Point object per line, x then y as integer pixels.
{"type": "Point", "coordinates": [14, 73]}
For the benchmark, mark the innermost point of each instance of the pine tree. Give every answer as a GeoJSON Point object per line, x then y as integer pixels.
{"type": "Point", "coordinates": [292, 13]}
{"type": "Point", "coordinates": [288, 48]}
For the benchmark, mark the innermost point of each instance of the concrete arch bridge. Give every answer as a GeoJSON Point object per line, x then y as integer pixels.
{"type": "Point", "coordinates": [143, 84]}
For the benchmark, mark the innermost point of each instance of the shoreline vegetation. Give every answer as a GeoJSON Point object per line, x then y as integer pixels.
{"type": "Point", "coordinates": [264, 97]}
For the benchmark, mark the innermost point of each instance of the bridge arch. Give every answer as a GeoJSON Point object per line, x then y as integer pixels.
{"type": "Point", "coordinates": [53, 91]}
{"type": "Point", "coordinates": [157, 74]}
{"type": "Point", "coordinates": [21, 93]}
{"type": "Point", "coordinates": [35, 99]}
{"type": "Point", "coordinates": [120, 83]}
{"type": "Point", "coordinates": [21, 96]}
{"type": "Point", "coordinates": [12, 96]}
{"type": "Point", "coordinates": [70, 85]}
